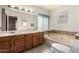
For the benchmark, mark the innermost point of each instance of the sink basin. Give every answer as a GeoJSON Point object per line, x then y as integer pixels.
{"type": "Point", "coordinates": [12, 32]}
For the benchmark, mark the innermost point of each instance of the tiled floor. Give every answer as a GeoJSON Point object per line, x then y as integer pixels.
{"type": "Point", "coordinates": [40, 49]}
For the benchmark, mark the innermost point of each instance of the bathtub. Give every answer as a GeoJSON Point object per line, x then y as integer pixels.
{"type": "Point", "coordinates": [59, 38]}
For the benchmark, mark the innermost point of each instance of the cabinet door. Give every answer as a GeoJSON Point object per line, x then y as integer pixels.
{"type": "Point", "coordinates": [29, 41]}
{"type": "Point", "coordinates": [41, 37]}
{"type": "Point", "coordinates": [19, 43]}
{"type": "Point", "coordinates": [5, 44]}
{"type": "Point", "coordinates": [36, 40]}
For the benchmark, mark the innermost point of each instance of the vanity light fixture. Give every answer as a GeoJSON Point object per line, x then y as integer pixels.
{"type": "Point", "coordinates": [23, 9]}
{"type": "Point", "coordinates": [20, 8]}
{"type": "Point", "coordinates": [11, 6]}
{"type": "Point", "coordinates": [16, 7]}
{"type": "Point", "coordinates": [29, 11]}
{"type": "Point", "coordinates": [26, 10]}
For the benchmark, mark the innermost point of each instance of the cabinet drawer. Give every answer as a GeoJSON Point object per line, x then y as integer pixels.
{"type": "Point", "coordinates": [6, 38]}
{"type": "Point", "coordinates": [17, 37]}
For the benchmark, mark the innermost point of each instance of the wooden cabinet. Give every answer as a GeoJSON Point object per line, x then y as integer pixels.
{"type": "Point", "coordinates": [5, 44]}
{"type": "Point", "coordinates": [38, 38]}
{"type": "Point", "coordinates": [19, 43]}
{"type": "Point", "coordinates": [41, 37]}
{"type": "Point", "coordinates": [29, 41]}
{"type": "Point", "coordinates": [34, 39]}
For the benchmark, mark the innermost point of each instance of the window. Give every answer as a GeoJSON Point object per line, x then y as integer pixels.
{"type": "Point", "coordinates": [43, 22]}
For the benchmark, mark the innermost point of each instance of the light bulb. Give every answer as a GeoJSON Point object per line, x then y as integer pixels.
{"type": "Point", "coordinates": [20, 8]}
{"type": "Point", "coordinates": [31, 11]}
{"type": "Point", "coordinates": [26, 9]}
{"type": "Point", "coordinates": [12, 6]}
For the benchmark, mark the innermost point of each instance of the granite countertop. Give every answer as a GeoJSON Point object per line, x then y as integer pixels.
{"type": "Point", "coordinates": [11, 33]}
{"type": "Point", "coordinates": [64, 39]}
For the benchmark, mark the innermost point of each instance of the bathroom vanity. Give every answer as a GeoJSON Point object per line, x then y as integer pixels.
{"type": "Point", "coordinates": [18, 42]}
{"type": "Point", "coordinates": [19, 31]}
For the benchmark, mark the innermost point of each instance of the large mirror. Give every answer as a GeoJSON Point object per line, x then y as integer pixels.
{"type": "Point", "coordinates": [14, 20]}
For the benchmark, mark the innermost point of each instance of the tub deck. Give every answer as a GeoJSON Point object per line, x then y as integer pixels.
{"type": "Point", "coordinates": [63, 39]}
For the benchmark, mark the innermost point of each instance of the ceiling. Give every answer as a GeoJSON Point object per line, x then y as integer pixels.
{"type": "Point", "coordinates": [48, 7]}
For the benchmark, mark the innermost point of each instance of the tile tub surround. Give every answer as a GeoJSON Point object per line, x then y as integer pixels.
{"type": "Point", "coordinates": [61, 32]}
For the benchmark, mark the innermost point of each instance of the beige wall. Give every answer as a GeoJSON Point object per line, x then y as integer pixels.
{"type": "Point", "coordinates": [73, 19]}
